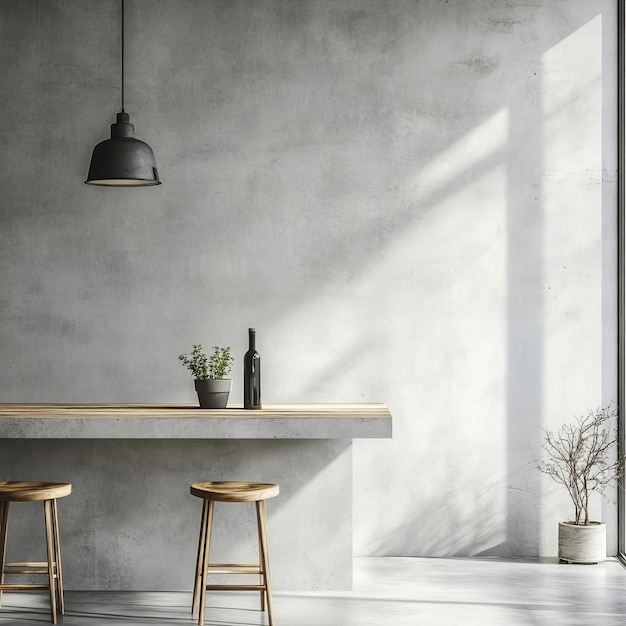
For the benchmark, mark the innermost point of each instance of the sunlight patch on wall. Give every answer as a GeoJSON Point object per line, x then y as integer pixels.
{"type": "Point", "coordinates": [443, 296]}
{"type": "Point", "coordinates": [479, 145]}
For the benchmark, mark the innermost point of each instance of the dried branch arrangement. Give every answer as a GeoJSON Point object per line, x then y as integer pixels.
{"type": "Point", "coordinates": [581, 457]}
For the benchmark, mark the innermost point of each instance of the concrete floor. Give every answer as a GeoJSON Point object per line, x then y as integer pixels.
{"type": "Point", "coordinates": [387, 592]}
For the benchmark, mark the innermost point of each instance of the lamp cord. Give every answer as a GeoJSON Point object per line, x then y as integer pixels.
{"type": "Point", "coordinates": [122, 56]}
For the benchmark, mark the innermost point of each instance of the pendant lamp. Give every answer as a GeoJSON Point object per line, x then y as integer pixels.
{"type": "Point", "coordinates": [123, 161]}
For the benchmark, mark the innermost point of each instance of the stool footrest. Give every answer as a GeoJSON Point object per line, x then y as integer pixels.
{"type": "Point", "coordinates": [235, 568]}
{"type": "Point", "coordinates": [23, 587]}
{"type": "Point", "coordinates": [235, 588]}
{"type": "Point", "coordinates": [39, 568]}
{"type": "Point", "coordinates": [251, 572]}
{"type": "Point", "coordinates": [233, 565]}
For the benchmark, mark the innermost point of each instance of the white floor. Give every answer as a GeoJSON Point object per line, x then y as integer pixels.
{"type": "Point", "coordinates": [387, 592]}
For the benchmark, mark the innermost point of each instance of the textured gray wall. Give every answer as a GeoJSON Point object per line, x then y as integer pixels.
{"type": "Point", "coordinates": [413, 202]}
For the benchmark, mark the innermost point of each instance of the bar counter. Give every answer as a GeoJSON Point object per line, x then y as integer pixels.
{"type": "Point", "coordinates": [130, 521]}
{"type": "Point", "coordinates": [187, 421]}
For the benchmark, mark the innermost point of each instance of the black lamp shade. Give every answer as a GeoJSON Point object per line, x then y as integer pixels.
{"type": "Point", "coordinates": [123, 161]}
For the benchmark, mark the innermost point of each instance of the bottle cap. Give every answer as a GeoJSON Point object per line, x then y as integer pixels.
{"type": "Point", "coordinates": [252, 330]}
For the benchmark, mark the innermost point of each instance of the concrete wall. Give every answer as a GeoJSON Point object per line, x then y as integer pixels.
{"type": "Point", "coordinates": [413, 202]}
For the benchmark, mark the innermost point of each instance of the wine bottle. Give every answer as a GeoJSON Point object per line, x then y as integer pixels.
{"type": "Point", "coordinates": [251, 374]}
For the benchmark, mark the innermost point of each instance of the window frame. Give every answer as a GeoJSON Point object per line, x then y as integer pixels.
{"type": "Point", "coordinates": [621, 269]}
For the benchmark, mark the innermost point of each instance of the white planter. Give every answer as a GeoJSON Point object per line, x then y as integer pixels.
{"type": "Point", "coordinates": [582, 544]}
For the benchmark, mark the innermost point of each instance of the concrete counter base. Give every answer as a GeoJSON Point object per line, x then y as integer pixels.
{"type": "Point", "coordinates": [131, 523]}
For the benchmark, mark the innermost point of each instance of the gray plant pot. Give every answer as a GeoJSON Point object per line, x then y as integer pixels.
{"type": "Point", "coordinates": [213, 394]}
{"type": "Point", "coordinates": [582, 544]}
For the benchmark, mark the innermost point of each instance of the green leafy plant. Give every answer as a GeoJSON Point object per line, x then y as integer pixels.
{"type": "Point", "coordinates": [203, 367]}
{"type": "Point", "coordinates": [579, 456]}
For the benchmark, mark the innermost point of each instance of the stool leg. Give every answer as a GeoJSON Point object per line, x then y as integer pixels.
{"type": "Point", "coordinates": [4, 527]}
{"type": "Point", "coordinates": [50, 548]}
{"type": "Point", "coordinates": [262, 581]}
{"type": "Point", "coordinates": [57, 557]}
{"type": "Point", "coordinates": [205, 561]}
{"type": "Point", "coordinates": [261, 519]}
{"type": "Point", "coordinates": [201, 539]}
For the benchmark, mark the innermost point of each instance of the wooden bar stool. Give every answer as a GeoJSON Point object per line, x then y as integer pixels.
{"type": "Point", "coordinates": [31, 492]}
{"type": "Point", "coordinates": [229, 491]}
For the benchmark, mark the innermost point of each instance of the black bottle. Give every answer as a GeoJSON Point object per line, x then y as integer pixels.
{"type": "Point", "coordinates": [251, 374]}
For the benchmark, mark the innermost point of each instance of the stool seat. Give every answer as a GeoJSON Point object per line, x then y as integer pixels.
{"type": "Point", "coordinates": [29, 491]}
{"type": "Point", "coordinates": [234, 491]}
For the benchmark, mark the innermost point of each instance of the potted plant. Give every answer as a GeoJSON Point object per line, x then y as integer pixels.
{"type": "Point", "coordinates": [212, 386]}
{"type": "Point", "coordinates": [580, 457]}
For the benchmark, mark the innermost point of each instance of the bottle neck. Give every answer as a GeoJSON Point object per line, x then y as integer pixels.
{"type": "Point", "coordinates": [251, 341]}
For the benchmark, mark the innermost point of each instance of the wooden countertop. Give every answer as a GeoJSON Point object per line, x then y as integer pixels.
{"type": "Point", "coordinates": [187, 421]}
